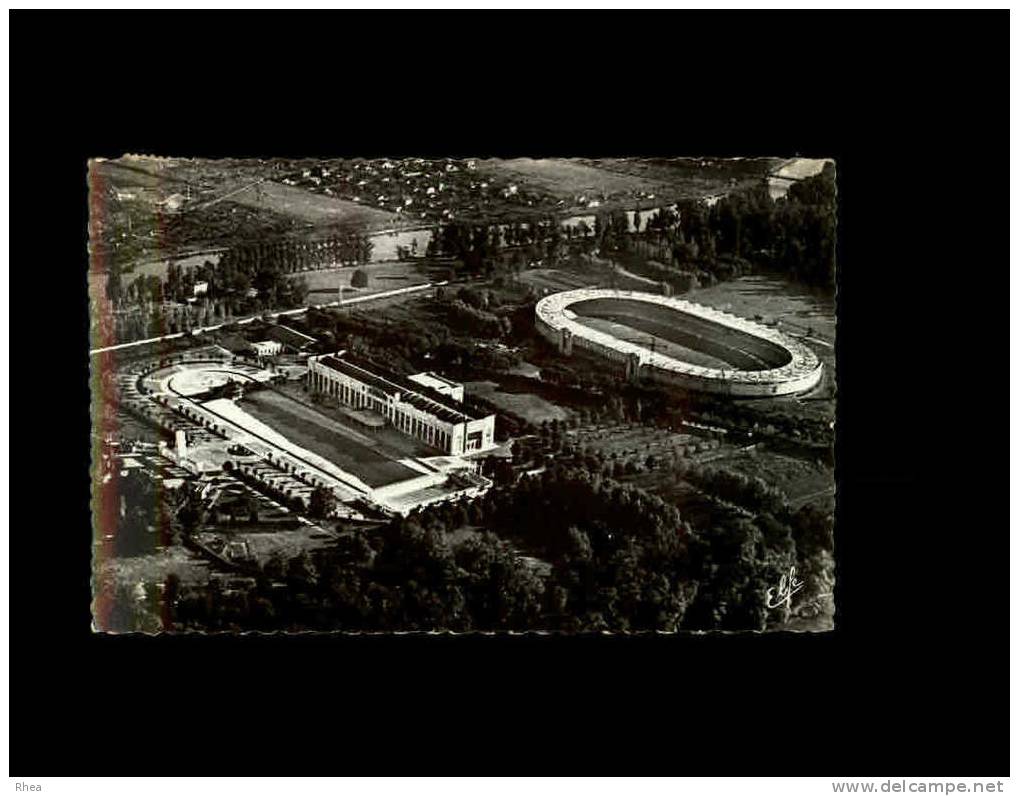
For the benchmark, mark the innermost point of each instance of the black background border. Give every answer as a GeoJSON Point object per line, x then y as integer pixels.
{"type": "Point", "coordinates": [914, 679]}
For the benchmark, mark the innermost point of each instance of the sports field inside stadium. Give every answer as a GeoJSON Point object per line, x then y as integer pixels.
{"type": "Point", "coordinates": [641, 332]}
{"type": "Point", "coordinates": [684, 336]}
{"type": "Point", "coordinates": [751, 359]}
{"type": "Point", "coordinates": [313, 431]}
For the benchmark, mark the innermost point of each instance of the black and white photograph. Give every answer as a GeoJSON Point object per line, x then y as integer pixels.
{"type": "Point", "coordinates": [412, 391]}
{"type": "Point", "coordinates": [381, 395]}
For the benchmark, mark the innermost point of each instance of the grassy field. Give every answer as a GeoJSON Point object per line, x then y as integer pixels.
{"type": "Point", "coordinates": [387, 441]}
{"type": "Point", "coordinates": [159, 267]}
{"type": "Point", "coordinates": [148, 210]}
{"type": "Point", "coordinates": [131, 428]}
{"type": "Point", "coordinates": [622, 182]}
{"type": "Point", "coordinates": [531, 407]}
{"type": "Point", "coordinates": [662, 345]}
{"type": "Point", "coordinates": [586, 271]}
{"type": "Point", "coordinates": [155, 567]}
{"type": "Point", "coordinates": [323, 285]}
{"type": "Point", "coordinates": [317, 433]}
{"type": "Point", "coordinates": [693, 177]}
{"type": "Point", "coordinates": [694, 507]}
{"type": "Point", "coordinates": [305, 206]}
{"type": "Point", "coordinates": [803, 482]}
{"type": "Point", "coordinates": [286, 544]}
{"type": "Point", "coordinates": [557, 279]}
{"type": "Point", "coordinates": [215, 179]}
{"type": "Point", "coordinates": [567, 178]}
{"type": "Point", "coordinates": [804, 313]}
{"type": "Point", "coordinates": [773, 298]}
{"type": "Point", "coordinates": [637, 441]}
{"type": "Point", "coordinates": [141, 212]}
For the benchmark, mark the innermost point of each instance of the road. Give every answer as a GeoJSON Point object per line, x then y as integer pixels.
{"type": "Point", "coordinates": [276, 314]}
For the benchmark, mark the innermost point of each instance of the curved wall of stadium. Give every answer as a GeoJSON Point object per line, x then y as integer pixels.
{"type": "Point", "coordinates": [794, 368]}
{"type": "Point", "coordinates": [740, 350]}
{"type": "Point", "coordinates": [736, 389]}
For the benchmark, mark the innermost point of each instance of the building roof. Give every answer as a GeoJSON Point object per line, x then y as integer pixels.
{"type": "Point", "coordinates": [233, 342]}
{"type": "Point", "coordinates": [290, 337]}
{"type": "Point", "coordinates": [433, 380]}
{"type": "Point", "coordinates": [424, 398]}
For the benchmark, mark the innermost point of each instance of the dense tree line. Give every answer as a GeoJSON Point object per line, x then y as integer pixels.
{"type": "Point", "coordinates": [133, 511]}
{"type": "Point", "coordinates": [478, 322]}
{"type": "Point", "coordinates": [414, 344]}
{"type": "Point", "coordinates": [754, 494]}
{"type": "Point", "coordinates": [247, 278]}
{"type": "Point", "coordinates": [794, 234]}
{"type": "Point", "coordinates": [652, 403]}
{"type": "Point", "coordinates": [469, 313]}
{"type": "Point", "coordinates": [724, 240]}
{"type": "Point", "coordinates": [478, 247]}
{"type": "Point", "coordinates": [620, 558]}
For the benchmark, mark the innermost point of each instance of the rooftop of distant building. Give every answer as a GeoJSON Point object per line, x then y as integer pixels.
{"type": "Point", "coordinates": [419, 395]}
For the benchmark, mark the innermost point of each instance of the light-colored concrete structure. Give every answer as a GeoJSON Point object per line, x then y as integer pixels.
{"type": "Point", "coordinates": [795, 367]}
{"type": "Point", "coordinates": [413, 407]}
{"type": "Point", "coordinates": [440, 384]}
{"type": "Point", "coordinates": [266, 348]}
{"type": "Point", "coordinates": [206, 434]}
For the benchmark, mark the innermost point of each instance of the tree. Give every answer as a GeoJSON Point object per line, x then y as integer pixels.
{"type": "Point", "coordinates": [321, 503]}
{"type": "Point", "coordinates": [252, 510]}
{"type": "Point", "coordinates": [359, 279]}
{"type": "Point", "coordinates": [114, 289]}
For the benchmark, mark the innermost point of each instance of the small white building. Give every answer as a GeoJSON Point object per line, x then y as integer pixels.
{"type": "Point", "coordinates": [200, 288]}
{"type": "Point", "coordinates": [267, 348]}
{"type": "Point", "coordinates": [440, 384]}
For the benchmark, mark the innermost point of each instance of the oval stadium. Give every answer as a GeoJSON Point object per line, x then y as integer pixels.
{"type": "Point", "coordinates": [679, 343]}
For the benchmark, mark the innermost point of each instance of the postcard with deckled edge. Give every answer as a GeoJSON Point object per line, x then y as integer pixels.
{"type": "Point", "coordinates": [455, 395]}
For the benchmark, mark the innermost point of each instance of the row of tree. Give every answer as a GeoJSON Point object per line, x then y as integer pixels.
{"type": "Point", "coordinates": [658, 405]}
{"type": "Point", "coordinates": [240, 268]}
{"type": "Point", "coordinates": [618, 558]}
{"type": "Point", "coordinates": [794, 234]}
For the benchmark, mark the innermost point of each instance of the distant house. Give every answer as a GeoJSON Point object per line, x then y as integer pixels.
{"type": "Point", "coordinates": [266, 348]}
{"type": "Point", "coordinates": [200, 289]}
